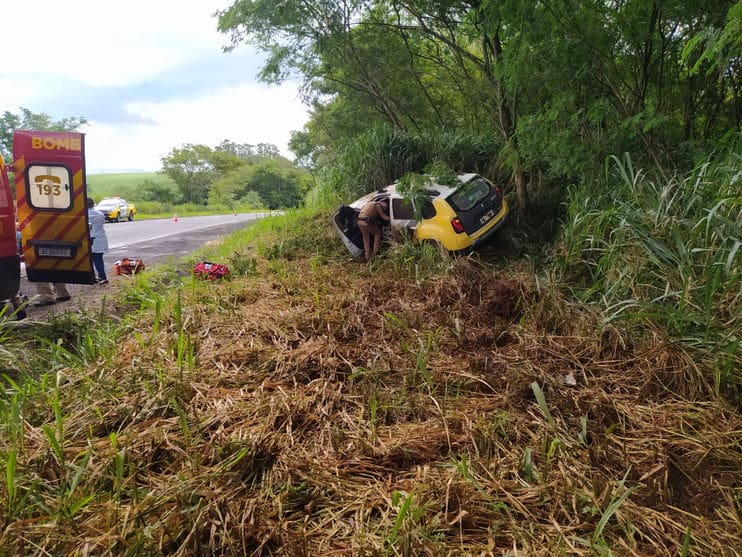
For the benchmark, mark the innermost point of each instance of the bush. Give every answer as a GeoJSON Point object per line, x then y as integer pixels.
{"type": "Point", "coordinates": [665, 252]}
{"type": "Point", "coordinates": [382, 155]}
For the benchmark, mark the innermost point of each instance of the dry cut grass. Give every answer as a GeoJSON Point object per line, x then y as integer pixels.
{"type": "Point", "coordinates": [325, 409]}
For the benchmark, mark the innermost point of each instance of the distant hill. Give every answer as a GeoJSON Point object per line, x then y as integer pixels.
{"type": "Point", "coordinates": [102, 185]}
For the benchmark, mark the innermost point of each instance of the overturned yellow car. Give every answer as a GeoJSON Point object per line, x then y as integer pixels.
{"type": "Point", "coordinates": [456, 217]}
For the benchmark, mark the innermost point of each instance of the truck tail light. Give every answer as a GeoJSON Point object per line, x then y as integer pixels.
{"type": "Point", "coordinates": [457, 226]}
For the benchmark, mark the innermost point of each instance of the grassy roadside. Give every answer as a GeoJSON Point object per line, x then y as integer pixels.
{"type": "Point", "coordinates": [312, 405]}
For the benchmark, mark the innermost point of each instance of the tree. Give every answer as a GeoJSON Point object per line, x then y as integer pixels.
{"type": "Point", "coordinates": [277, 183]}
{"type": "Point", "coordinates": [244, 151]}
{"type": "Point", "coordinates": [562, 85]}
{"type": "Point", "coordinates": [27, 120]}
{"type": "Point", "coordinates": [191, 168]}
{"type": "Point", "coordinates": [157, 191]}
{"type": "Point", "coordinates": [304, 149]}
{"type": "Point", "coordinates": [268, 151]}
{"type": "Point", "coordinates": [278, 189]}
{"type": "Point", "coordinates": [223, 191]}
{"type": "Point", "coordinates": [224, 162]}
{"type": "Point", "coordinates": [252, 200]}
{"type": "Point", "coordinates": [338, 43]}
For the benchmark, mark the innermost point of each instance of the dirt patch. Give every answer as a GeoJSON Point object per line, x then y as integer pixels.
{"type": "Point", "coordinates": [84, 298]}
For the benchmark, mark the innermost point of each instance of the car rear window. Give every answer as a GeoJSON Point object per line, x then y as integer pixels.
{"type": "Point", "coordinates": [469, 194]}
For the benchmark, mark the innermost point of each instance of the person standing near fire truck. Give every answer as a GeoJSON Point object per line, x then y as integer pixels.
{"type": "Point", "coordinates": [18, 301]}
{"type": "Point", "coordinates": [51, 293]}
{"type": "Point", "coordinates": [98, 240]}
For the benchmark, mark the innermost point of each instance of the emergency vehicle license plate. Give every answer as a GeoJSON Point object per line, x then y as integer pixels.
{"type": "Point", "coordinates": [54, 252]}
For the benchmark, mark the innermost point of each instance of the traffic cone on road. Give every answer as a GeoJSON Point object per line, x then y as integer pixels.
{"type": "Point", "coordinates": [175, 218]}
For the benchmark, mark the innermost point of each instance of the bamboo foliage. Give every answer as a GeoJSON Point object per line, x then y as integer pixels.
{"type": "Point", "coordinates": [668, 253]}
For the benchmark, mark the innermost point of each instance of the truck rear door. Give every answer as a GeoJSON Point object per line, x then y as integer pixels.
{"type": "Point", "coordinates": [52, 211]}
{"type": "Point", "coordinates": [10, 265]}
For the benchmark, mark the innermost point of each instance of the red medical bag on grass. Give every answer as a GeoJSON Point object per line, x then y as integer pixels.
{"type": "Point", "coordinates": [128, 266]}
{"type": "Point", "coordinates": [210, 271]}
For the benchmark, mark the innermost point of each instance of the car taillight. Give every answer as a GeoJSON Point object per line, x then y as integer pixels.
{"type": "Point", "coordinates": [498, 190]}
{"type": "Point", "coordinates": [457, 226]}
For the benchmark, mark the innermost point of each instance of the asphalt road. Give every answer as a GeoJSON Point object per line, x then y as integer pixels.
{"type": "Point", "coordinates": [157, 239]}
{"type": "Point", "coordinates": [152, 241]}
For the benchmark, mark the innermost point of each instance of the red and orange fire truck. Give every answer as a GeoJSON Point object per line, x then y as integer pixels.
{"type": "Point", "coordinates": [50, 209]}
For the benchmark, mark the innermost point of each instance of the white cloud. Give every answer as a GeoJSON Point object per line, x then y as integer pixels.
{"type": "Point", "coordinates": [149, 75]}
{"type": "Point", "coordinates": [108, 43]}
{"type": "Point", "coordinates": [246, 114]}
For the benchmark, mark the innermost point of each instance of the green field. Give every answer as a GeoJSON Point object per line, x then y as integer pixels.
{"type": "Point", "coordinates": [102, 185]}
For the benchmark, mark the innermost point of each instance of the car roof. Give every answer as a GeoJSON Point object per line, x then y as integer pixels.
{"type": "Point", "coordinates": [437, 190]}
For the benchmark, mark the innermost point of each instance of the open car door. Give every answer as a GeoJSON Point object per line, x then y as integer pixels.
{"type": "Point", "coordinates": [51, 197]}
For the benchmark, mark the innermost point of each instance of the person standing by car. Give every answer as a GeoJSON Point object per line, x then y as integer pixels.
{"type": "Point", "coordinates": [370, 222]}
{"type": "Point", "coordinates": [98, 240]}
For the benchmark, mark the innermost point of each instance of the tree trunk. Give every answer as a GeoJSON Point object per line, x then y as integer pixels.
{"type": "Point", "coordinates": [506, 120]}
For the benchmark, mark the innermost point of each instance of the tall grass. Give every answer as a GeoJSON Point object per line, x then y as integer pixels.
{"type": "Point", "coordinates": [311, 405]}
{"type": "Point", "coordinates": [666, 253]}
{"type": "Point", "coordinates": [375, 160]}
{"type": "Point", "coordinates": [295, 233]}
{"type": "Point", "coordinates": [383, 154]}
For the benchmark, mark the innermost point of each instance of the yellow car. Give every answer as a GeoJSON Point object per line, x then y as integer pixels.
{"type": "Point", "coordinates": [458, 217]}
{"type": "Point", "coordinates": [116, 209]}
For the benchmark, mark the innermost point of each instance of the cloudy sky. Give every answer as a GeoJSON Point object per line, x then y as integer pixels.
{"type": "Point", "coordinates": [149, 75]}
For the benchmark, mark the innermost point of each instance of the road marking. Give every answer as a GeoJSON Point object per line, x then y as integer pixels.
{"type": "Point", "coordinates": [254, 216]}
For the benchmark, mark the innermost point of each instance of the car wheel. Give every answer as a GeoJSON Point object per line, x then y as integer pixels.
{"type": "Point", "coordinates": [118, 217]}
{"type": "Point", "coordinates": [131, 216]}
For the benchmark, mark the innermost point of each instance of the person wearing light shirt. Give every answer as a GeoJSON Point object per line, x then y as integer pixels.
{"type": "Point", "coordinates": [98, 240]}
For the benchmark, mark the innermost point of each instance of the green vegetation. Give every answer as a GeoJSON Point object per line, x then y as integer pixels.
{"type": "Point", "coordinates": [155, 196]}
{"type": "Point", "coordinates": [534, 95]}
{"type": "Point", "coordinates": [574, 388]}
{"type": "Point", "coordinates": [198, 180]}
{"type": "Point", "coordinates": [236, 175]}
{"type": "Point", "coordinates": [194, 179]}
{"type": "Point", "coordinates": [422, 404]}
{"type": "Point", "coordinates": [666, 253]}
{"type": "Point", "coordinates": [130, 185]}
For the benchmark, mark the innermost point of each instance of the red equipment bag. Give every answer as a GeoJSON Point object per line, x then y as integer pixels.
{"type": "Point", "coordinates": [128, 266]}
{"type": "Point", "coordinates": [210, 271]}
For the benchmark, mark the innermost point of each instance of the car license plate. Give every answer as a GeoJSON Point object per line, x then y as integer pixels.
{"type": "Point", "coordinates": [487, 216]}
{"type": "Point", "coordinates": [55, 252]}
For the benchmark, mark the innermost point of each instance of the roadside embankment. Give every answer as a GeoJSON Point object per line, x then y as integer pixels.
{"type": "Point", "coordinates": [312, 405]}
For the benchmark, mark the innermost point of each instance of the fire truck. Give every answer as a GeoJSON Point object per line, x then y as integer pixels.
{"type": "Point", "coordinates": [49, 209]}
